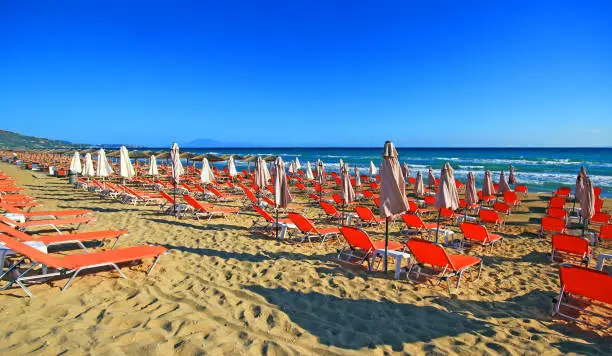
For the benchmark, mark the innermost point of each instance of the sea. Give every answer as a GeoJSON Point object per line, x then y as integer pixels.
{"type": "Point", "coordinates": [541, 169]}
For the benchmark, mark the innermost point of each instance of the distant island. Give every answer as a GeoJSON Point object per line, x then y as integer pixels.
{"type": "Point", "coordinates": [16, 141]}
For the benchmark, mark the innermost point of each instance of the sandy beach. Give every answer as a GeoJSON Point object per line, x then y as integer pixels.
{"type": "Point", "coordinates": [225, 290]}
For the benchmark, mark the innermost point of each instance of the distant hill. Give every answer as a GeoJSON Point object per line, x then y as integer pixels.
{"type": "Point", "coordinates": [14, 140]}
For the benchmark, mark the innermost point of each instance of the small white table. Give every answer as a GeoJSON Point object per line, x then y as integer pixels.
{"type": "Point", "coordinates": [601, 259]}
{"type": "Point", "coordinates": [448, 234]}
{"type": "Point", "coordinates": [16, 217]}
{"type": "Point", "coordinates": [397, 255]}
{"type": "Point", "coordinates": [284, 227]}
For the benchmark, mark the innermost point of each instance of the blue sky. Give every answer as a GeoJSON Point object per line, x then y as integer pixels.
{"type": "Point", "coordinates": [309, 73]}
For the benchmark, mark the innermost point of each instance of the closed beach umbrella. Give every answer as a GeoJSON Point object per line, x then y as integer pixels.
{"type": "Point", "coordinates": [177, 168]}
{"type": "Point", "coordinates": [487, 184]}
{"type": "Point", "coordinates": [75, 164]}
{"type": "Point", "coordinates": [503, 185]}
{"type": "Point", "coordinates": [373, 169]}
{"type": "Point", "coordinates": [153, 166]}
{"type": "Point", "coordinates": [583, 171]}
{"type": "Point", "coordinates": [282, 197]}
{"type": "Point", "coordinates": [392, 189]}
{"type": "Point", "coordinates": [297, 163]}
{"type": "Point", "coordinates": [88, 168]}
{"type": "Point", "coordinates": [579, 190]}
{"type": "Point", "coordinates": [266, 171]}
{"type": "Point", "coordinates": [346, 189]}
{"type": "Point", "coordinates": [125, 165]}
{"type": "Point", "coordinates": [405, 171]}
{"type": "Point", "coordinates": [419, 187]}
{"type": "Point", "coordinates": [357, 177]}
{"type": "Point", "coordinates": [231, 167]}
{"type": "Point", "coordinates": [431, 179]}
{"type": "Point", "coordinates": [104, 169]}
{"type": "Point", "coordinates": [341, 165]}
{"type": "Point", "coordinates": [320, 172]}
{"type": "Point", "coordinates": [292, 169]}
{"type": "Point", "coordinates": [587, 203]}
{"type": "Point", "coordinates": [206, 175]}
{"type": "Point", "coordinates": [260, 174]}
{"type": "Point", "coordinates": [309, 174]}
{"type": "Point", "coordinates": [471, 195]}
{"type": "Point", "coordinates": [511, 177]}
{"type": "Point", "coordinates": [447, 195]}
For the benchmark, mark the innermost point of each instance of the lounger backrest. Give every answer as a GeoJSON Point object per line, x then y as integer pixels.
{"type": "Point", "coordinates": [563, 191]}
{"type": "Point", "coordinates": [570, 243]}
{"type": "Point", "coordinates": [597, 191]}
{"type": "Point", "coordinates": [166, 196]}
{"type": "Point", "coordinates": [337, 198]}
{"type": "Point", "coordinates": [368, 193]}
{"type": "Point", "coordinates": [31, 252]}
{"type": "Point", "coordinates": [510, 197]}
{"type": "Point", "coordinates": [556, 213]}
{"type": "Point", "coordinates": [488, 215]}
{"type": "Point", "coordinates": [250, 195]}
{"type": "Point", "coordinates": [601, 218]}
{"type": "Point", "coordinates": [412, 206]}
{"type": "Point", "coordinates": [413, 221]}
{"type": "Point", "coordinates": [302, 222]}
{"type": "Point", "coordinates": [328, 208]}
{"type": "Point", "coordinates": [429, 200]}
{"type": "Point", "coordinates": [357, 238]}
{"type": "Point", "coordinates": [553, 224]}
{"type": "Point", "coordinates": [411, 180]}
{"type": "Point", "coordinates": [263, 213]}
{"type": "Point", "coordinates": [475, 232]}
{"type": "Point", "coordinates": [377, 202]}
{"type": "Point", "coordinates": [587, 282]}
{"type": "Point", "coordinates": [605, 231]}
{"type": "Point", "coordinates": [194, 203]}
{"type": "Point", "coordinates": [556, 202]}
{"type": "Point", "coordinates": [501, 207]}
{"type": "Point", "coordinates": [215, 192]}
{"type": "Point", "coordinates": [520, 188]}
{"type": "Point", "coordinates": [11, 209]}
{"type": "Point", "coordinates": [429, 253]}
{"type": "Point", "coordinates": [446, 212]}
{"type": "Point", "coordinates": [373, 185]}
{"type": "Point", "coordinates": [598, 205]}
{"type": "Point", "coordinates": [364, 213]}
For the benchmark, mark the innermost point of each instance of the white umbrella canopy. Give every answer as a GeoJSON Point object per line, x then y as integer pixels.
{"type": "Point", "coordinates": [266, 172]}
{"type": "Point", "coordinates": [231, 167]}
{"type": "Point", "coordinates": [320, 172]}
{"type": "Point", "coordinates": [347, 192]}
{"type": "Point", "coordinates": [309, 174]}
{"type": "Point", "coordinates": [511, 177]}
{"type": "Point", "coordinates": [431, 179]}
{"type": "Point", "coordinates": [297, 163]}
{"type": "Point", "coordinates": [341, 165]}
{"type": "Point", "coordinates": [579, 190]}
{"type": "Point", "coordinates": [392, 189]}
{"type": "Point", "coordinates": [260, 174]}
{"type": "Point", "coordinates": [471, 195]}
{"type": "Point", "coordinates": [373, 169]}
{"type": "Point", "coordinates": [503, 185]}
{"type": "Point", "coordinates": [405, 171]}
{"type": "Point", "coordinates": [126, 170]}
{"type": "Point", "coordinates": [292, 168]}
{"type": "Point", "coordinates": [104, 169]}
{"type": "Point", "coordinates": [88, 168]}
{"type": "Point", "coordinates": [447, 196]}
{"type": "Point", "coordinates": [487, 184]}
{"type": "Point", "coordinates": [177, 166]}
{"type": "Point", "coordinates": [282, 197]}
{"type": "Point", "coordinates": [153, 166]}
{"type": "Point", "coordinates": [419, 187]}
{"type": "Point", "coordinates": [206, 175]}
{"type": "Point", "coordinates": [357, 177]}
{"type": "Point", "coordinates": [75, 164]}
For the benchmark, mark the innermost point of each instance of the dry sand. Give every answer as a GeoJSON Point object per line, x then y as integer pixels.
{"type": "Point", "coordinates": [223, 290]}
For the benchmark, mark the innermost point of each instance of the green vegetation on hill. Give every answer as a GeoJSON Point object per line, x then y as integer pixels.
{"type": "Point", "coordinates": [12, 140]}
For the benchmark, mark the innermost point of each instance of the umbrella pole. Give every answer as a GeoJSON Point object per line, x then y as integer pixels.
{"type": "Point", "coordinates": [438, 226]}
{"type": "Point", "coordinates": [386, 243]}
{"type": "Point", "coordinates": [342, 215]}
{"type": "Point", "coordinates": [584, 226]}
{"type": "Point", "coordinates": [277, 223]}
{"type": "Point", "coordinates": [174, 194]}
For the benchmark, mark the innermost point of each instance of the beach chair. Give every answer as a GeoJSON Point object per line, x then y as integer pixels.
{"type": "Point", "coordinates": [310, 231]}
{"type": "Point", "coordinates": [414, 208]}
{"type": "Point", "coordinates": [72, 265]}
{"type": "Point", "coordinates": [557, 202]}
{"type": "Point", "coordinates": [563, 192]}
{"type": "Point", "coordinates": [598, 205]}
{"type": "Point", "coordinates": [359, 247]}
{"type": "Point", "coordinates": [330, 211]}
{"type": "Point", "coordinates": [208, 212]}
{"type": "Point", "coordinates": [485, 198]}
{"type": "Point", "coordinates": [600, 219]}
{"type": "Point", "coordinates": [414, 224]}
{"type": "Point", "coordinates": [557, 213]}
{"type": "Point", "coordinates": [479, 235]}
{"type": "Point", "coordinates": [571, 245]}
{"type": "Point", "coordinates": [62, 239]}
{"type": "Point", "coordinates": [133, 196]}
{"type": "Point", "coordinates": [50, 214]}
{"type": "Point", "coordinates": [550, 224]}
{"type": "Point", "coordinates": [449, 214]}
{"type": "Point", "coordinates": [56, 224]}
{"type": "Point", "coordinates": [502, 207]}
{"type": "Point", "coordinates": [269, 222]}
{"type": "Point", "coordinates": [511, 198]}
{"type": "Point", "coordinates": [367, 217]}
{"type": "Point", "coordinates": [521, 189]}
{"type": "Point", "coordinates": [605, 234]}
{"type": "Point", "coordinates": [584, 291]}
{"type": "Point", "coordinates": [219, 196]}
{"type": "Point", "coordinates": [487, 216]}
{"type": "Point", "coordinates": [444, 266]}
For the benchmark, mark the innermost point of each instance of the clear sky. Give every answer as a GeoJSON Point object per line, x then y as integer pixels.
{"type": "Point", "coordinates": [309, 73]}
